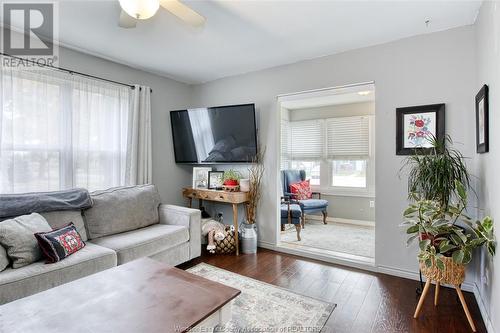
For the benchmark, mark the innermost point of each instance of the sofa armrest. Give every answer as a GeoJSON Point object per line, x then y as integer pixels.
{"type": "Point", "coordinates": [190, 218]}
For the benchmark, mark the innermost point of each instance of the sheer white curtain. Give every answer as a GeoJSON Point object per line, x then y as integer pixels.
{"type": "Point", "coordinates": [60, 131]}
{"type": "Point", "coordinates": [139, 169]}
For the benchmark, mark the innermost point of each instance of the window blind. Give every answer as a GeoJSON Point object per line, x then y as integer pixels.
{"type": "Point", "coordinates": [285, 145]}
{"type": "Point", "coordinates": [348, 136]}
{"type": "Point", "coordinates": [306, 140]}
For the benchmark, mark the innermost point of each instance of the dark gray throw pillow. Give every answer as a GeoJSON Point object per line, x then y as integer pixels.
{"type": "Point", "coordinates": [17, 236]}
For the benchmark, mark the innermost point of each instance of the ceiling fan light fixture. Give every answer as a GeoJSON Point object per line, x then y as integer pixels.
{"type": "Point", "coordinates": [140, 9]}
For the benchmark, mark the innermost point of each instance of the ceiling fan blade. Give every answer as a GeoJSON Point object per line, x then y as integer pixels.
{"type": "Point", "coordinates": [126, 21]}
{"type": "Point", "coordinates": [183, 12]}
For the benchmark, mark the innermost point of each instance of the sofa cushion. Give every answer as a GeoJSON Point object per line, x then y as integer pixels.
{"type": "Point", "coordinates": [144, 242]}
{"type": "Point", "coordinates": [17, 237]}
{"type": "Point", "coordinates": [31, 279]}
{"type": "Point", "coordinates": [4, 260]}
{"type": "Point", "coordinates": [122, 209]}
{"type": "Point", "coordinates": [295, 211]}
{"type": "Point", "coordinates": [313, 204]}
{"type": "Point", "coordinates": [61, 218]}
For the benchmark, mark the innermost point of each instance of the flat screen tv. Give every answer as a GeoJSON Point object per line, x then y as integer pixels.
{"type": "Point", "coordinates": [223, 134]}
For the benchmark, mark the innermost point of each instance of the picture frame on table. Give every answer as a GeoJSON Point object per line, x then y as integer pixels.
{"type": "Point", "coordinates": [215, 180]}
{"type": "Point", "coordinates": [482, 121]}
{"type": "Point", "coordinates": [416, 126]}
{"type": "Point", "coordinates": [200, 177]}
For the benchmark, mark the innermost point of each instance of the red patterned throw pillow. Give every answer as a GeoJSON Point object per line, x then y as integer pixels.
{"type": "Point", "coordinates": [59, 243]}
{"type": "Point", "coordinates": [302, 190]}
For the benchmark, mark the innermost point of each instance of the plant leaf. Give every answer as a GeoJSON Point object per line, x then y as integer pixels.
{"type": "Point", "coordinates": [424, 244]}
{"type": "Point", "coordinates": [458, 256]}
{"type": "Point", "coordinates": [439, 264]}
{"type": "Point", "coordinates": [412, 229]}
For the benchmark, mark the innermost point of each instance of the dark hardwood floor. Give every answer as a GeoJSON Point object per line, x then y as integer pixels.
{"type": "Point", "coordinates": [366, 301]}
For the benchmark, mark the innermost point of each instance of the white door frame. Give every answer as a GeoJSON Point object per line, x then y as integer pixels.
{"type": "Point", "coordinates": [277, 246]}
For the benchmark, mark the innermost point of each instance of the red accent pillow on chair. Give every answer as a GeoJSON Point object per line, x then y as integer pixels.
{"type": "Point", "coordinates": [302, 190]}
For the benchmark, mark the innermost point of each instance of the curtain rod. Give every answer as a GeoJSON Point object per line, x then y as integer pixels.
{"type": "Point", "coordinates": [72, 71]}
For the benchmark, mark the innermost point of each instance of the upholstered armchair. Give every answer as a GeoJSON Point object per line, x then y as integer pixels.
{"type": "Point", "coordinates": [307, 206]}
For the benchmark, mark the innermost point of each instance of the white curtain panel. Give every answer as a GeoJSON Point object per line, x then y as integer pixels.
{"type": "Point", "coordinates": [59, 131]}
{"type": "Point", "coordinates": [139, 168]}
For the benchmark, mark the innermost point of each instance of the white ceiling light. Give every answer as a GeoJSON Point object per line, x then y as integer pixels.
{"type": "Point", "coordinates": [140, 9]}
{"type": "Point", "coordinates": [364, 93]}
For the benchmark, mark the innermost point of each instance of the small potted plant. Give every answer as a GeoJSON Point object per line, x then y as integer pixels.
{"type": "Point", "coordinates": [231, 180]}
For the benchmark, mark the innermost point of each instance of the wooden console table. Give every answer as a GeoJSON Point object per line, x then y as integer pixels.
{"type": "Point", "coordinates": [233, 198]}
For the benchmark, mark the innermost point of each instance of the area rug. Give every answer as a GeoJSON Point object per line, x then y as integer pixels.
{"type": "Point", "coordinates": [338, 237]}
{"type": "Point", "coordinates": [262, 307]}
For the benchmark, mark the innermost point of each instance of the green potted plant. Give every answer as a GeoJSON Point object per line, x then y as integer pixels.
{"type": "Point", "coordinates": [231, 177]}
{"type": "Point", "coordinates": [441, 239]}
{"type": "Point", "coordinates": [436, 217]}
{"type": "Point", "coordinates": [434, 175]}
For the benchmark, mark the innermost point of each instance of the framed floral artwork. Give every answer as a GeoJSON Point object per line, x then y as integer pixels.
{"type": "Point", "coordinates": [416, 126]}
{"type": "Point", "coordinates": [482, 132]}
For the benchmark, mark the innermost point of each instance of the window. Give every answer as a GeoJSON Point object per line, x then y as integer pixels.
{"type": "Point", "coordinates": [336, 153]}
{"type": "Point", "coordinates": [312, 169]}
{"type": "Point", "coordinates": [60, 131]}
{"type": "Point", "coordinates": [349, 173]}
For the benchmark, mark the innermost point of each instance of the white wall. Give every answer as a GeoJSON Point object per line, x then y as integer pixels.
{"type": "Point", "coordinates": [167, 95]}
{"type": "Point", "coordinates": [432, 68]}
{"type": "Point", "coordinates": [488, 72]}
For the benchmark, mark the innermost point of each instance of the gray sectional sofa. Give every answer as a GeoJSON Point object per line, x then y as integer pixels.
{"type": "Point", "coordinates": [123, 224]}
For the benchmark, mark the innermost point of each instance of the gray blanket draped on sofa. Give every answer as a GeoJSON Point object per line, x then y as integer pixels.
{"type": "Point", "coordinates": [26, 203]}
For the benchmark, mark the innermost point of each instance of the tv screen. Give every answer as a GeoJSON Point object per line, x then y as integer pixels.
{"type": "Point", "coordinates": [225, 134]}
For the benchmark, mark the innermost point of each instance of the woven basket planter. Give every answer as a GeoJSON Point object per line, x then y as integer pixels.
{"type": "Point", "coordinates": [452, 273]}
{"type": "Point", "coordinates": [228, 244]}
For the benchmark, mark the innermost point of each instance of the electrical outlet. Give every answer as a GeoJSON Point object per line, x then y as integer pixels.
{"type": "Point", "coordinates": [372, 203]}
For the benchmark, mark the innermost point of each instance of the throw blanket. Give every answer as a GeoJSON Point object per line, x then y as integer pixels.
{"type": "Point", "coordinates": [12, 205]}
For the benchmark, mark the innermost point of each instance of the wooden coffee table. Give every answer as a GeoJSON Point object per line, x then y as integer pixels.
{"type": "Point", "coordinates": [141, 296]}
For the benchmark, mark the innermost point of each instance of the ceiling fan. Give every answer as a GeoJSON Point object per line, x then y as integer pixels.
{"type": "Point", "coordinates": [133, 10]}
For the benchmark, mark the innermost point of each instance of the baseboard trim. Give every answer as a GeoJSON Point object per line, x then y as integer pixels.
{"type": "Point", "coordinates": [482, 308]}
{"type": "Point", "coordinates": [403, 273]}
{"type": "Point", "coordinates": [362, 223]}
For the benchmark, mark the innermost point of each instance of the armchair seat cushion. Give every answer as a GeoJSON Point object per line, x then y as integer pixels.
{"type": "Point", "coordinates": [295, 211]}
{"type": "Point", "coordinates": [313, 204]}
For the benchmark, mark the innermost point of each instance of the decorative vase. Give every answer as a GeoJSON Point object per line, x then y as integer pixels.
{"type": "Point", "coordinates": [248, 238]}
{"type": "Point", "coordinates": [244, 185]}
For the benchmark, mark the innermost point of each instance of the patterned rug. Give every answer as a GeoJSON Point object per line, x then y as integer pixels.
{"type": "Point", "coordinates": [262, 307]}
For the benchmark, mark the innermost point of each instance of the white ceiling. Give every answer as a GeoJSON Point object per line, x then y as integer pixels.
{"type": "Point", "coordinates": [244, 36]}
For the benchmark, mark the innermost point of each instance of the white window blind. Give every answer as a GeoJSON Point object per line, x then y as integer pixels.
{"type": "Point", "coordinates": [285, 145]}
{"type": "Point", "coordinates": [306, 140]}
{"type": "Point", "coordinates": [348, 136]}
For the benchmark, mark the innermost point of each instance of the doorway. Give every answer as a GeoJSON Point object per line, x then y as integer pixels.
{"type": "Point", "coordinates": [327, 168]}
